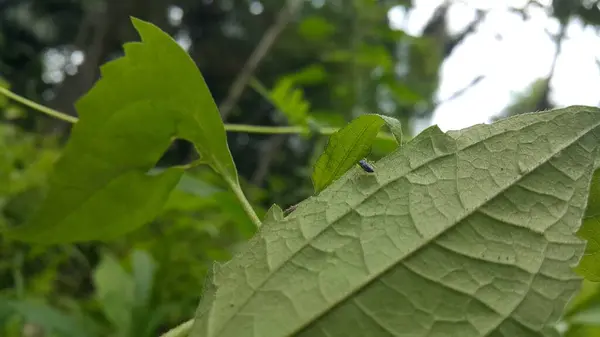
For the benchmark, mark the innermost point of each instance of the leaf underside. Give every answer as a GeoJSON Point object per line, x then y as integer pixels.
{"type": "Point", "coordinates": [100, 187]}
{"type": "Point", "coordinates": [464, 234]}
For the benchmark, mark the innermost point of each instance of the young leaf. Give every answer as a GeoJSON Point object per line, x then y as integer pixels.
{"type": "Point", "coordinates": [469, 233]}
{"type": "Point", "coordinates": [349, 145]}
{"type": "Point", "coordinates": [100, 188]}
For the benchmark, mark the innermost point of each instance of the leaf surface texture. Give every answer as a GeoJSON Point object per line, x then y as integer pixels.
{"type": "Point", "coordinates": [464, 234]}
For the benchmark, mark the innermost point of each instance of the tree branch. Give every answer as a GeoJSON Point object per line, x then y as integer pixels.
{"type": "Point", "coordinates": [268, 153]}
{"type": "Point", "coordinates": [268, 39]}
{"type": "Point", "coordinates": [462, 91]}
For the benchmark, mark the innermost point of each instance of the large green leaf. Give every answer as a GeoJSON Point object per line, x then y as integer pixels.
{"type": "Point", "coordinates": [469, 233]}
{"type": "Point", "coordinates": [101, 188]}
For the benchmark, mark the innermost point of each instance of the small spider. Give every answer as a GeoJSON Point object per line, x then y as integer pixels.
{"type": "Point", "coordinates": [366, 166]}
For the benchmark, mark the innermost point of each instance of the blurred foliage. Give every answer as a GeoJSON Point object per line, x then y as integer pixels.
{"type": "Point", "coordinates": [335, 60]}
{"type": "Point", "coordinates": [528, 100]}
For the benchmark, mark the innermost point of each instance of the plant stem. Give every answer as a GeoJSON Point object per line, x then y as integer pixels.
{"type": "Point", "coordinates": [228, 127]}
{"type": "Point", "coordinates": [38, 107]}
{"type": "Point", "coordinates": [181, 330]}
{"type": "Point", "coordinates": [237, 190]}
{"type": "Point", "coordinates": [235, 128]}
{"type": "Point", "coordinates": [274, 129]}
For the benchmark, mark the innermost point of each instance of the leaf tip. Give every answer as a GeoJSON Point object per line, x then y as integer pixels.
{"type": "Point", "coordinates": [274, 213]}
{"type": "Point", "coordinates": [143, 27]}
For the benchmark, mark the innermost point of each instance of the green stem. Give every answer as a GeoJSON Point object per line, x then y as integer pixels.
{"type": "Point", "coordinates": [228, 127]}
{"type": "Point", "coordinates": [181, 330]}
{"type": "Point", "coordinates": [184, 328]}
{"type": "Point", "coordinates": [234, 128]}
{"type": "Point", "coordinates": [264, 129]}
{"type": "Point", "coordinates": [38, 107]}
{"type": "Point", "coordinates": [235, 187]}
{"type": "Point", "coordinates": [237, 190]}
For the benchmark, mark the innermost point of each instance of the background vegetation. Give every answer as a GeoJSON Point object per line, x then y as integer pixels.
{"type": "Point", "coordinates": [268, 63]}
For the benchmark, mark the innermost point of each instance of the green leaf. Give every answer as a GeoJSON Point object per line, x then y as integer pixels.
{"type": "Point", "coordinates": [51, 320]}
{"type": "Point", "coordinates": [287, 99]}
{"type": "Point", "coordinates": [587, 317]}
{"type": "Point", "coordinates": [312, 74]}
{"type": "Point", "coordinates": [101, 188]}
{"type": "Point", "coordinates": [115, 291]}
{"type": "Point", "coordinates": [583, 331]}
{"type": "Point", "coordinates": [196, 186]}
{"type": "Point", "coordinates": [587, 297]}
{"type": "Point", "coordinates": [349, 145]}
{"type": "Point", "coordinates": [12, 112]}
{"type": "Point", "coordinates": [144, 314]}
{"type": "Point", "coordinates": [316, 28]}
{"type": "Point", "coordinates": [144, 269]}
{"type": "Point", "coordinates": [395, 127]}
{"type": "Point", "coordinates": [402, 93]}
{"type": "Point", "coordinates": [470, 233]}
{"type": "Point", "coordinates": [589, 267]}
{"type": "Point", "coordinates": [366, 56]}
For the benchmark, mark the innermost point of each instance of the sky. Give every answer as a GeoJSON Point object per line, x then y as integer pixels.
{"type": "Point", "coordinates": [510, 65]}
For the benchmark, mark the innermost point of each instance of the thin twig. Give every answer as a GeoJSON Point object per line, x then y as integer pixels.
{"type": "Point", "coordinates": [269, 152]}
{"type": "Point", "coordinates": [238, 86]}
{"type": "Point", "coordinates": [544, 101]}
{"type": "Point", "coordinates": [462, 91]}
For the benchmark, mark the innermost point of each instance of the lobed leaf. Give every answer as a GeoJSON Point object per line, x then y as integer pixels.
{"type": "Point", "coordinates": [349, 145]}
{"type": "Point", "coordinates": [470, 233]}
{"type": "Point", "coordinates": [100, 187]}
